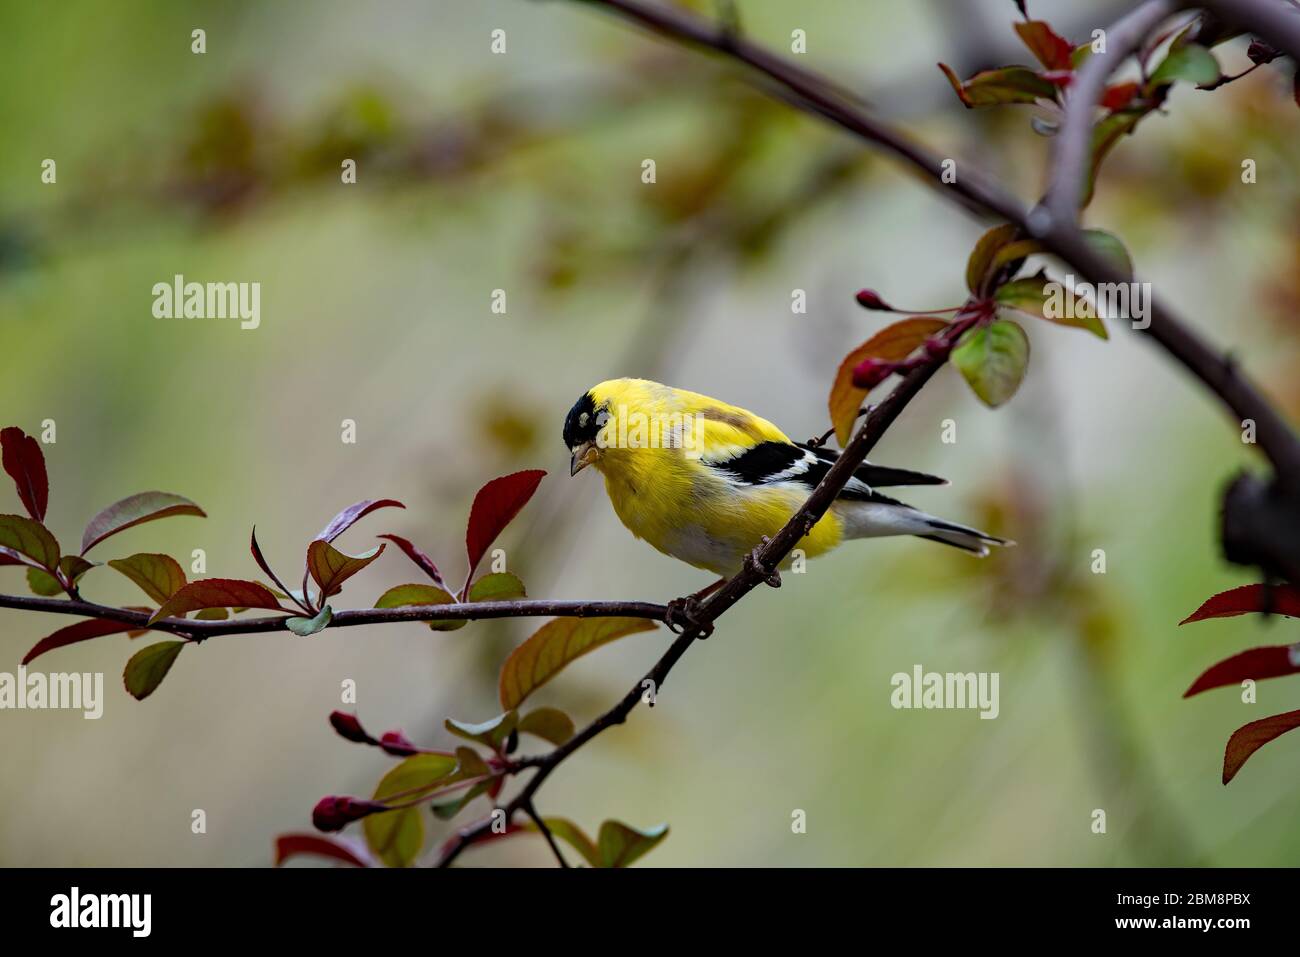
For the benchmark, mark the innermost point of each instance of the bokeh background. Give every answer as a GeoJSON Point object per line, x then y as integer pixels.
{"type": "Point", "coordinates": [522, 172]}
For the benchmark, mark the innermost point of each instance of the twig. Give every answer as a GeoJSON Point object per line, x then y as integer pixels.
{"type": "Point", "coordinates": [472, 611]}
{"type": "Point", "coordinates": [546, 833]}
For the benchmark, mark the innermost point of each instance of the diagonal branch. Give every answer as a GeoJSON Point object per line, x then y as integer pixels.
{"type": "Point", "coordinates": [817, 95]}
{"type": "Point", "coordinates": [1276, 21]}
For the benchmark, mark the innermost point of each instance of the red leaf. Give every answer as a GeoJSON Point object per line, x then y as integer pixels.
{"type": "Point", "coordinates": [1271, 661]}
{"type": "Point", "coordinates": [131, 511]}
{"type": "Point", "coordinates": [345, 519]}
{"type": "Point", "coordinates": [495, 505]}
{"type": "Point", "coordinates": [1120, 95]}
{"type": "Point", "coordinates": [292, 845]}
{"type": "Point", "coordinates": [1052, 50]}
{"type": "Point", "coordinates": [81, 631]}
{"type": "Point", "coordinates": [1249, 738]}
{"type": "Point", "coordinates": [417, 555]}
{"type": "Point", "coordinates": [25, 464]}
{"type": "Point", "coordinates": [1277, 599]}
{"type": "Point", "coordinates": [217, 593]}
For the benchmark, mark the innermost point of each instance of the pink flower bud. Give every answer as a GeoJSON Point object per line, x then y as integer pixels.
{"type": "Point", "coordinates": [349, 727]}
{"type": "Point", "coordinates": [870, 299]}
{"type": "Point", "coordinates": [397, 744]}
{"type": "Point", "coordinates": [335, 812]}
{"type": "Point", "coordinates": [869, 373]}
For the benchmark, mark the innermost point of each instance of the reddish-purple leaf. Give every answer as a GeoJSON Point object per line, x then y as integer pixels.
{"type": "Point", "coordinates": [217, 593]}
{"type": "Point", "coordinates": [331, 567]}
{"type": "Point", "coordinates": [339, 849]}
{"type": "Point", "coordinates": [144, 507]}
{"type": "Point", "coordinates": [262, 564]}
{"type": "Point", "coordinates": [495, 506]}
{"type": "Point", "coordinates": [1052, 50]}
{"type": "Point", "coordinates": [353, 514]}
{"type": "Point", "coordinates": [1271, 661]}
{"type": "Point", "coordinates": [25, 464]}
{"type": "Point", "coordinates": [1274, 599]}
{"type": "Point", "coordinates": [1120, 95]}
{"type": "Point", "coordinates": [81, 631]}
{"type": "Point", "coordinates": [417, 555]}
{"type": "Point", "coordinates": [1249, 738]}
{"type": "Point", "coordinates": [10, 557]}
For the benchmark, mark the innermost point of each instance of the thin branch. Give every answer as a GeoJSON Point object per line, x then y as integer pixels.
{"type": "Point", "coordinates": [1074, 143]}
{"type": "Point", "coordinates": [473, 611]}
{"type": "Point", "coordinates": [546, 833]}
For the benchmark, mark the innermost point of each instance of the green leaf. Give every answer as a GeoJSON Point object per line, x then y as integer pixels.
{"type": "Point", "coordinates": [331, 567]}
{"type": "Point", "coordinates": [1109, 246]}
{"type": "Point", "coordinates": [553, 646]}
{"type": "Point", "coordinates": [30, 538]}
{"type": "Point", "coordinates": [446, 810]}
{"type": "Point", "coordinates": [621, 845]}
{"type": "Point", "coordinates": [572, 835]}
{"type": "Point", "coordinates": [144, 507]}
{"type": "Point", "coordinates": [549, 724]}
{"type": "Point", "coordinates": [1190, 62]}
{"type": "Point", "coordinates": [1105, 135]}
{"type": "Point", "coordinates": [402, 596]}
{"type": "Point", "coordinates": [499, 586]}
{"type": "Point", "coordinates": [1031, 296]}
{"type": "Point", "coordinates": [304, 627]}
{"type": "Point", "coordinates": [396, 837]}
{"type": "Point", "coordinates": [979, 266]}
{"type": "Point", "coordinates": [74, 566]}
{"type": "Point", "coordinates": [993, 359]}
{"type": "Point", "coordinates": [159, 576]}
{"type": "Point", "coordinates": [212, 614]}
{"type": "Point", "coordinates": [149, 666]}
{"type": "Point", "coordinates": [43, 583]}
{"type": "Point", "coordinates": [492, 732]}
{"type": "Point", "coordinates": [469, 764]}
{"type": "Point", "coordinates": [1012, 84]}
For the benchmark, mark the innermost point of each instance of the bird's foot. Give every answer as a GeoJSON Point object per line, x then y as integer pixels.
{"type": "Point", "coordinates": [684, 614]}
{"type": "Point", "coordinates": [754, 563]}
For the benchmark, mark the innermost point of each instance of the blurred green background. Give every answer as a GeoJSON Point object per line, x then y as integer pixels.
{"type": "Point", "coordinates": [522, 172]}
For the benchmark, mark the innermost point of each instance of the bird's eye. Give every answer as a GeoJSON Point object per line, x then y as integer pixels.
{"type": "Point", "coordinates": [602, 418]}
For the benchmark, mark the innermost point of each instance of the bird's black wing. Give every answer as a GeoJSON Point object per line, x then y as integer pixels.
{"type": "Point", "coordinates": [769, 462]}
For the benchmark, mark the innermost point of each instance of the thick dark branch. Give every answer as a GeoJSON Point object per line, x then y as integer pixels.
{"type": "Point", "coordinates": [202, 630]}
{"type": "Point", "coordinates": [817, 95]}
{"type": "Point", "coordinates": [1277, 22]}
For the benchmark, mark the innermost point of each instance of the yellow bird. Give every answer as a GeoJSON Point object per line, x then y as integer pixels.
{"type": "Point", "coordinates": [706, 482]}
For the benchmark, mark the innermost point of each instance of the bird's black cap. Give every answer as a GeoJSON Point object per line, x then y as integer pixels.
{"type": "Point", "coordinates": [580, 424]}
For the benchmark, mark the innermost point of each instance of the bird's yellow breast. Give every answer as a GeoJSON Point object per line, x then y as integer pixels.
{"type": "Point", "coordinates": [682, 510]}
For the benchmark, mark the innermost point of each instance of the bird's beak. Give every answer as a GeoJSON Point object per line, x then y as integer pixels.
{"type": "Point", "coordinates": [583, 455]}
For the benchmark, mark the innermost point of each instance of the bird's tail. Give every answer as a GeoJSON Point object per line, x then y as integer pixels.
{"type": "Point", "coordinates": [883, 517]}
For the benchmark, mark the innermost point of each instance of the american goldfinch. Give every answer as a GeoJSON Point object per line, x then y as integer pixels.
{"type": "Point", "coordinates": [704, 481]}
